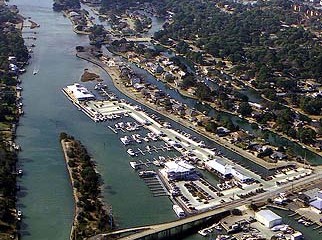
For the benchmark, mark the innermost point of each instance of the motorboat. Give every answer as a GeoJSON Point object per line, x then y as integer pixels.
{"type": "Point", "coordinates": [179, 211]}
{"type": "Point", "coordinates": [134, 165]}
{"type": "Point", "coordinates": [125, 140]}
{"type": "Point", "coordinates": [149, 173]}
{"type": "Point", "coordinates": [131, 152]}
{"type": "Point", "coordinates": [35, 71]}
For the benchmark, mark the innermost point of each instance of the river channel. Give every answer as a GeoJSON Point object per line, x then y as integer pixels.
{"type": "Point", "coordinates": [46, 195]}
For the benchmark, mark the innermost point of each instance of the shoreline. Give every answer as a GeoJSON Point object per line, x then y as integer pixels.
{"type": "Point", "coordinates": [76, 210]}
{"type": "Point", "coordinates": [184, 93]}
{"type": "Point", "coordinates": [100, 211]}
{"type": "Point", "coordinates": [116, 81]}
{"type": "Point", "coordinates": [11, 224]}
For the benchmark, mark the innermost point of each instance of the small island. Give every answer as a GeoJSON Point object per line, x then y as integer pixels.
{"type": "Point", "coordinates": [92, 216]}
{"type": "Point", "coordinates": [89, 76]}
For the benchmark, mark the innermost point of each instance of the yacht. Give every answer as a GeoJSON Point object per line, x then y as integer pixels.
{"type": "Point", "coordinates": [178, 210]}
{"type": "Point", "coordinates": [131, 152]}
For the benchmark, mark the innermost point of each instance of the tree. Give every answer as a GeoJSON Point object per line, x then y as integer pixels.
{"type": "Point", "coordinates": [245, 109]}
{"type": "Point", "coordinates": [211, 126]}
{"type": "Point", "coordinates": [203, 92]}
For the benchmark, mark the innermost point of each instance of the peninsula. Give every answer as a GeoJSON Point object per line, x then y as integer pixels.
{"type": "Point", "coordinates": [91, 215]}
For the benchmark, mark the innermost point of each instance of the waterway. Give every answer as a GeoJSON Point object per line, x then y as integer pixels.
{"type": "Point", "coordinates": [46, 196]}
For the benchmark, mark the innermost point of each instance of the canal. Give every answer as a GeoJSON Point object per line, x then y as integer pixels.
{"type": "Point", "coordinates": [46, 195]}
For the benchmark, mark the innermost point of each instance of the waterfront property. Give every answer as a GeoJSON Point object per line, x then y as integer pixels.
{"type": "Point", "coordinates": [238, 182]}
{"type": "Point", "coordinates": [268, 218]}
{"type": "Point", "coordinates": [180, 170]}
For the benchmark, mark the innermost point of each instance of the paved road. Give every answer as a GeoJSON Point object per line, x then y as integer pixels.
{"type": "Point", "coordinates": [302, 183]}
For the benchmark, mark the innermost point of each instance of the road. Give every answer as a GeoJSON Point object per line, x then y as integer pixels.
{"type": "Point", "coordinates": [152, 229]}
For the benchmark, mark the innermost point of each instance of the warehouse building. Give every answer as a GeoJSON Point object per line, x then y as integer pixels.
{"type": "Point", "coordinates": [268, 218]}
{"type": "Point", "coordinates": [219, 167]}
{"type": "Point", "coordinates": [227, 171]}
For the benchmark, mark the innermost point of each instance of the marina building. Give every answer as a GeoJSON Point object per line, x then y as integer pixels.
{"type": "Point", "coordinates": [179, 170]}
{"type": "Point", "coordinates": [79, 92]}
{"type": "Point", "coordinates": [268, 218]}
{"type": "Point", "coordinates": [227, 171]}
{"type": "Point", "coordinates": [220, 167]}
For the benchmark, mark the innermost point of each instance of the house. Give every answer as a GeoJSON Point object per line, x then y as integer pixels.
{"type": "Point", "coordinates": [239, 136]}
{"type": "Point", "coordinates": [278, 156]}
{"type": "Point", "coordinates": [191, 112]}
{"type": "Point", "coordinates": [135, 80]}
{"type": "Point", "coordinates": [138, 86]}
{"type": "Point", "coordinates": [156, 95]}
{"type": "Point", "coordinates": [157, 69]}
{"type": "Point", "coordinates": [222, 131]}
{"type": "Point", "coordinates": [297, 236]}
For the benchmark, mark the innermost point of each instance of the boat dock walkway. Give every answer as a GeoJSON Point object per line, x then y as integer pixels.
{"type": "Point", "coordinates": [153, 149]}
{"type": "Point", "coordinates": [156, 186]}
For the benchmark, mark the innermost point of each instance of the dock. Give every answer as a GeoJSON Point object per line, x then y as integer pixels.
{"type": "Point", "coordinates": [156, 186]}
{"type": "Point", "coordinates": [112, 129]}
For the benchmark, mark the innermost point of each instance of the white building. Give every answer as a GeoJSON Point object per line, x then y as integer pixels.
{"type": "Point", "coordinates": [219, 166]}
{"type": "Point", "coordinates": [80, 92]}
{"type": "Point", "coordinates": [296, 236]}
{"type": "Point", "coordinates": [316, 204]}
{"type": "Point", "coordinates": [240, 176]}
{"type": "Point", "coordinates": [226, 170]}
{"type": "Point", "coordinates": [268, 218]}
{"type": "Point", "coordinates": [179, 170]}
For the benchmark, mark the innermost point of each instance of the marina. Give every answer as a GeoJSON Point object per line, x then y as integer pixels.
{"type": "Point", "coordinates": [45, 190]}
{"type": "Point", "coordinates": [237, 180]}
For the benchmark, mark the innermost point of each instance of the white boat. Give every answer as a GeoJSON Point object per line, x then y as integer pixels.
{"type": "Point", "coordinates": [35, 71]}
{"type": "Point", "coordinates": [178, 210]}
{"type": "Point", "coordinates": [125, 140]}
{"type": "Point", "coordinates": [156, 163]}
{"type": "Point", "coordinates": [203, 232]}
{"type": "Point", "coordinates": [278, 227]}
{"type": "Point", "coordinates": [222, 237]}
{"type": "Point", "coordinates": [134, 165]}
{"type": "Point", "coordinates": [147, 173]}
{"type": "Point", "coordinates": [131, 152]}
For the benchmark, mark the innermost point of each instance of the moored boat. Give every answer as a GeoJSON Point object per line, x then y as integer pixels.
{"type": "Point", "coordinates": [131, 152]}
{"type": "Point", "coordinates": [144, 174]}
{"type": "Point", "coordinates": [178, 210]}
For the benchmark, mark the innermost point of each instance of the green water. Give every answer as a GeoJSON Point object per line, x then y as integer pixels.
{"type": "Point", "coordinates": [46, 196]}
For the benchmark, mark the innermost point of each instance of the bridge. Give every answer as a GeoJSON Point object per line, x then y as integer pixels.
{"type": "Point", "coordinates": [168, 229]}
